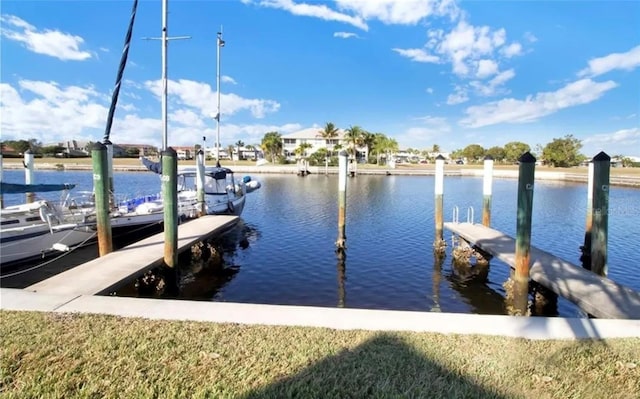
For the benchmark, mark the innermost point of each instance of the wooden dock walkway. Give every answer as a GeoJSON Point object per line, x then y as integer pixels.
{"type": "Point", "coordinates": [598, 296]}
{"type": "Point", "coordinates": [103, 273]}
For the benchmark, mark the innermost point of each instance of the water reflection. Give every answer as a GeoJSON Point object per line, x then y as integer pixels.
{"type": "Point", "coordinates": [470, 281]}
{"type": "Point", "coordinates": [341, 269]}
{"type": "Point", "coordinates": [202, 272]}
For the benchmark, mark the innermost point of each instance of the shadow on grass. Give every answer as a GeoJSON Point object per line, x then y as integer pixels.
{"type": "Point", "coordinates": [383, 367]}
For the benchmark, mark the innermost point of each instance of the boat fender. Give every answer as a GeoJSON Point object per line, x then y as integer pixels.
{"type": "Point", "coordinates": [232, 209]}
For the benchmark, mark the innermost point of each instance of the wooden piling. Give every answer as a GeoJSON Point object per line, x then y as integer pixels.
{"type": "Point", "coordinates": [585, 258]}
{"type": "Point", "coordinates": [110, 187]}
{"type": "Point", "coordinates": [101, 192]}
{"type": "Point", "coordinates": [200, 182]}
{"type": "Point", "coordinates": [526, 177]}
{"type": "Point", "coordinates": [342, 200]}
{"type": "Point", "coordinates": [486, 190]}
{"type": "Point", "coordinates": [439, 243]}
{"type": "Point", "coordinates": [600, 213]}
{"type": "Point", "coordinates": [170, 201]}
{"type": "Point", "coordinates": [28, 173]}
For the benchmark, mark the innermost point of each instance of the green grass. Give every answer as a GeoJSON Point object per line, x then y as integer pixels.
{"type": "Point", "coordinates": [46, 355]}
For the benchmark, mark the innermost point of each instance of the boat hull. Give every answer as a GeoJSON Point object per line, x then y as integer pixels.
{"type": "Point", "coordinates": [39, 241]}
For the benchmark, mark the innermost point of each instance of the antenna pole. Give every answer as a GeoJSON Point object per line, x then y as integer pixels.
{"type": "Point", "coordinates": [220, 43]}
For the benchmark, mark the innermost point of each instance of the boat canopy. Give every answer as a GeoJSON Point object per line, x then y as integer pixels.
{"type": "Point", "coordinates": [17, 188]}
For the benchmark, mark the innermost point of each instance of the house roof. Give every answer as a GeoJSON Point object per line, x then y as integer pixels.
{"type": "Point", "coordinates": [310, 133]}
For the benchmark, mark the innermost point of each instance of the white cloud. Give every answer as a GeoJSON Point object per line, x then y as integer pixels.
{"type": "Point", "coordinates": [54, 43]}
{"type": "Point", "coordinates": [486, 68]}
{"type": "Point", "coordinates": [493, 86]}
{"type": "Point", "coordinates": [405, 12]}
{"type": "Point", "coordinates": [511, 50]}
{"type": "Point", "coordinates": [625, 61]}
{"type": "Point", "coordinates": [53, 110]}
{"type": "Point", "coordinates": [465, 45]}
{"type": "Point", "coordinates": [430, 90]}
{"type": "Point", "coordinates": [317, 11]}
{"type": "Point", "coordinates": [228, 79]}
{"type": "Point", "coordinates": [344, 35]}
{"type": "Point", "coordinates": [629, 137]}
{"type": "Point", "coordinates": [510, 110]}
{"type": "Point", "coordinates": [200, 96]}
{"type": "Point", "coordinates": [621, 142]}
{"type": "Point", "coordinates": [50, 112]}
{"type": "Point", "coordinates": [417, 55]}
{"type": "Point", "coordinates": [422, 136]}
{"type": "Point", "coordinates": [459, 96]}
{"type": "Point", "coordinates": [530, 37]}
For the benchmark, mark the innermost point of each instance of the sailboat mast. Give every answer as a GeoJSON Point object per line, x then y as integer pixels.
{"type": "Point", "coordinates": [220, 43]}
{"type": "Point", "coordinates": [164, 73]}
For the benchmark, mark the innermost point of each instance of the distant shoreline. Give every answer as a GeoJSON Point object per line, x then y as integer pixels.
{"type": "Point", "coordinates": [619, 177]}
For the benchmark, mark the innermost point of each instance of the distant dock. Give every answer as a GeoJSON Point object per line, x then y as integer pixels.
{"type": "Point", "coordinates": [104, 273]}
{"type": "Point", "coordinates": [596, 295]}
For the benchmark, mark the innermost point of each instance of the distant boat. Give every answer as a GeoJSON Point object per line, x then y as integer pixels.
{"type": "Point", "coordinates": [224, 194]}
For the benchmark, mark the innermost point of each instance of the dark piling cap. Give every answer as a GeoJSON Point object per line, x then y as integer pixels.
{"type": "Point", "coordinates": [440, 157]}
{"type": "Point", "coordinates": [169, 152]}
{"type": "Point", "coordinates": [342, 153]}
{"type": "Point", "coordinates": [98, 146]}
{"type": "Point", "coordinates": [602, 156]}
{"type": "Point", "coordinates": [527, 158]}
{"type": "Point", "coordinates": [488, 158]}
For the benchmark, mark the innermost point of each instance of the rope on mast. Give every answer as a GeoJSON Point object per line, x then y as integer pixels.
{"type": "Point", "coordinates": [123, 62]}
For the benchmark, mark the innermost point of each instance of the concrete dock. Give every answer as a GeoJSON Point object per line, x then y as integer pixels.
{"type": "Point", "coordinates": [596, 295]}
{"type": "Point", "coordinates": [103, 273]}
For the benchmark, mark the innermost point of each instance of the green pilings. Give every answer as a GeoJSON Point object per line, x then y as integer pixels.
{"type": "Point", "coordinates": [342, 200]}
{"type": "Point", "coordinates": [170, 201]}
{"type": "Point", "coordinates": [486, 190]}
{"type": "Point", "coordinates": [439, 244]}
{"type": "Point", "coordinates": [112, 199]}
{"type": "Point", "coordinates": [526, 178]}
{"type": "Point", "coordinates": [585, 258]}
{"type": "Point", "coordinates": [101, 190]}
{"type": "Point", "coordinates": [600, 225]}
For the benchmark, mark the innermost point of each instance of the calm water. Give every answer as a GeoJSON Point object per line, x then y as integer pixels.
{"type": "Point", "coordinates": [282, 252]}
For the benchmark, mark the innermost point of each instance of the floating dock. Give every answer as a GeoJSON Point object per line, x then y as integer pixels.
{"type": "Point", "coordinates": [103, 273]}
{"type": "Point", "coordinates": [596, 295]}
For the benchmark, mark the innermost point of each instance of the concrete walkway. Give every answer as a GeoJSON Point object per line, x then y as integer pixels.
{"type": "Point", "coordinates": [335, 318]}
{"type": "Point", "coordinates": [102, 274]}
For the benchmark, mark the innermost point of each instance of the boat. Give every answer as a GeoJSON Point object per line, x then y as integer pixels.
{"type": "Point", "coordinates": [39, 228]}
{"type": "Point", "coordinates": [223, 193]}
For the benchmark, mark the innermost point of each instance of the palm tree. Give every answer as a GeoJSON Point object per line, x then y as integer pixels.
{"type": "Point", "coordinates": [329, 132]}
{"type": "Point", "coordinates": [301, 151]}
{"type": "Point", "coordinates": [354, 136]}
{"type": "Point", "coordinates": [230, 149]}
{"type": "Point", "coordinates": [272, 145]}
{"type": "Point", "coordinates": [368, 140]}
{"type": "Point", "coordinates": [239, 144]}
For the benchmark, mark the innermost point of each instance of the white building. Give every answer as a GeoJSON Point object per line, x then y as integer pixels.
{"type": "Point", "coordinates": [313, 136]}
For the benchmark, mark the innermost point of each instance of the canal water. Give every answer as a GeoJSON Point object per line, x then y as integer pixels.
{"type": "Point", "coordinates": [283, 252]}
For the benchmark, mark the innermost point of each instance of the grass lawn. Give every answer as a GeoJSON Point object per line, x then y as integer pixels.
{"type": "Point", "coordinates": [45, 355]}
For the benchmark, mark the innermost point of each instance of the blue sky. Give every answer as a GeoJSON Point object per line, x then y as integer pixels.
{"type": "Point", "coordinates": [422, 71]}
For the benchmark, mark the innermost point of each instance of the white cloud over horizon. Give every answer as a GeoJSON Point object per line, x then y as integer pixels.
{"type": "Point", "coordinates": [53, 43]}
{"type": "Point", "coordinates": [50, 112]}
{"type": "Point", "coordinates": [621, 142]}
{"type": "Point", "coordinates": [510, 110]}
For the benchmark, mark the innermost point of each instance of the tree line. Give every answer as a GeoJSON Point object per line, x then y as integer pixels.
{"type": "Point", "coordinates": [560, 152]}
